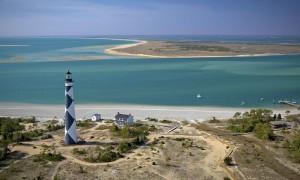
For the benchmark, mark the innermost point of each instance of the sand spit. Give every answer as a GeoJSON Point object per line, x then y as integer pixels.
{"type": "Point", "coordinates": [198, 49]}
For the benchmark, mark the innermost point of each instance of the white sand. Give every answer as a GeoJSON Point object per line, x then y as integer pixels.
{"type": "Point", "coordinates": [138, 111]}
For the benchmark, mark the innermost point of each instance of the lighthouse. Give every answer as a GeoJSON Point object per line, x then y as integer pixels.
{"type": "Point", "coordinates": [70, 121]}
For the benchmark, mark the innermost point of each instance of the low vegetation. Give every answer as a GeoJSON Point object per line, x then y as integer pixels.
{"type": "Point", "coordinates": [228, 161]}
{"type": "Point", "coordinates": [54, 127]}
{"type": "Point", "coordinates": [152, 119]}
{"type": "Point", "coordinates": [293, 148]}
{"type": "Point", "coordinates": [214, 120]}
{"type": "Point", "coordinates": [102, 127]}
{"type": "Point", "coordinates": [132, 131]}
{"type": "Point", "coordinates": [203, 48]}
{"type": "Point", "coordinates": [85, 124]}
{"type": "Point", "coordinates": [48, 153]}
{"type": "Point", "coordinates": [136, 133]}
{"type": "Point", "coordinates": [166, 121]}
{"type": "Point", "coordinates": [108, 153]}
{"type": "Point", "coordinates": [12, 131]}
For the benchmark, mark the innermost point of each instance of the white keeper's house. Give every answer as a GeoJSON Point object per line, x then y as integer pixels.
{"type": "Point", "coordinates": [96, 117]}
{"type": "Point", "coordinates": [123, 119]}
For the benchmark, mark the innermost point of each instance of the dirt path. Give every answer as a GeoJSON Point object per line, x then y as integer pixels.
{"type": "Point", "coordinates": [268, 158]}
{"type": "Point", "coordinates": [214, 160]}
{"type": "Point", "coordinates": [56, 168]}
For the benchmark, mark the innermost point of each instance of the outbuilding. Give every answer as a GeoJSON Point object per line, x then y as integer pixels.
{"type": "Point", "coordinates": [96, 117]}
{"type": "Point", "coordinates": [123, 119]}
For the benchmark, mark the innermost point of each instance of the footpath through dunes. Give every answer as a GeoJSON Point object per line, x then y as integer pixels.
{"type": "Point", "coordinates": [253, 158]}
{"type": "Point", "coordinates": [186, 49]}
{"type": "Point", "coordinates": [167, 159]}
{"type": "Point", "coordinates": [191, 151]}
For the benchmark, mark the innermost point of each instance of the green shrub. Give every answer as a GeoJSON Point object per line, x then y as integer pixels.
{"type": "Point", "coordinates": [228, 161]}
{"type": "Point", "coordinates": [264, 131]}
{"type": "Point", "coordinates": [114, 128]}
{"type": "Point", "coordinates": [54, 127]}
{"type": "Point", "coordinates": [249, 120]}
{"type": "Point", "coordinates": [179, 139]}
{"type": "Point", "coordinates": [293, 148]}
{"type": "Point", "coordinates": [81, 170]}
{"type": "Point", "coordinates": [48, 153]}
{"type": "Point", "coordinates": [85, 124]}
{"type": "Point", "coordinates": [79, 151]}
{"type": "Point", "coordinates": [152, 119]}
{"type": "Point", "coordinates": [108, 156]}
{"type": "Point", "coordinates": [187, 144]}
{"type": "Point", "coordinates": [131, 131]}
{"type": "Point", "coordinates": [214, 120]}
{"type": "Point", "coordinates": [166, 121]}
{"type": "Point", "coordinates": [124, 146]}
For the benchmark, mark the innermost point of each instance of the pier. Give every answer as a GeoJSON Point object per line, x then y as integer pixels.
{"type": "Point", "coordinates": [288, 103]}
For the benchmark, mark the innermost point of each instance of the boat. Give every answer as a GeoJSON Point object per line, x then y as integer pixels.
{"type": "Point", "coordinates": [199, 96]}
{"type": "Point", "coordinates": [262, 99]}
{"type": "Point", "coordinates": [273, 101]}
{"type": "Point", "coordinates": [243, 103]}
{"type": "Point", "coordinates": [294, 102]}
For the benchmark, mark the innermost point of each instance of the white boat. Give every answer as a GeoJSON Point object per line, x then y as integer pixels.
{"type": "Point", "coordinates": [294, 102]}
{"type": "Point", "coordinates": [199, 96]}
{"type": "Point", "coordinates": [243, 103]}
{"type": "Point", "coordinates": [262, 99]}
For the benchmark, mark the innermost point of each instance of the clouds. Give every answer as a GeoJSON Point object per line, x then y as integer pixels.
{"type": "Point", "coordinates": [97, 17]}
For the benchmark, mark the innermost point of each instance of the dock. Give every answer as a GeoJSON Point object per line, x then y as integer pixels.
{"type": "Point", "coordinates": [288, 103]}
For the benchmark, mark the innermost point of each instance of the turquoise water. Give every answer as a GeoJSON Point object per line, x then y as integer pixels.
{"type": "Point", "coordinates": [116, 80]}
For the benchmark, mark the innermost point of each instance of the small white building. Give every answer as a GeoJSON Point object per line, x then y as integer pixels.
{"type": "Point", "coordinates": [123, 119]}
{"type": "Point", "coordinates": [96, 117]}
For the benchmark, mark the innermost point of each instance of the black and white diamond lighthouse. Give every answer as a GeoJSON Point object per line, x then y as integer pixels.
{"type": "Point", "coordinates": [70, 120]}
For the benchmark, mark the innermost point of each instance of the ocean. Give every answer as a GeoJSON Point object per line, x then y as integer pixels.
{"type": "Point", "coordinates": [32, 70]}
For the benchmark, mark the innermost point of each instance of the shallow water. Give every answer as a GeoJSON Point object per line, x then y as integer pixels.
{"type": "Point", "coordinates": [117, 80]}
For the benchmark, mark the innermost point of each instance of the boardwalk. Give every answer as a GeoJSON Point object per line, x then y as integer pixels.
{"type": "Point", "coordinates": [288, 103]}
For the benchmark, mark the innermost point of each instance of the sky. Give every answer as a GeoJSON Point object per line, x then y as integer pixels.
{"type": "Point", "coordinates": [149, 17]}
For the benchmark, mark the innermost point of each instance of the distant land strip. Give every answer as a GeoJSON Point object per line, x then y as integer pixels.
{"type": "Point", "coordinates": [189, 49]}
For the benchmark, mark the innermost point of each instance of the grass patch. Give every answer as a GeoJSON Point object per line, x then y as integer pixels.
{"type": "Point", "coordinates": [85, 124]}
{"type": "Point", "coordinates": [166, 121]}
{"type": "Point", "coordinates": [152, 119]}
{"type": "Point", "coordinates": [47, 154]}
{"type": "Point", "coordinates": [103, 127]}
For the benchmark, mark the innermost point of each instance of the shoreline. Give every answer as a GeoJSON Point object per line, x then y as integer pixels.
{"type": "Point", "coordinates": [108, 111]}
{"type": "Point", "coordinates": [113, 51]}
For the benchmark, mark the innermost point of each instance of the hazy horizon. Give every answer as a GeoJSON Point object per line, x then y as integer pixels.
{"type": "Point", "coordinates": [141, 17]}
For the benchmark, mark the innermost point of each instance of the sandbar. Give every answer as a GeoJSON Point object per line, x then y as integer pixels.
{"type": "Point", "coordinates": [196, 49]}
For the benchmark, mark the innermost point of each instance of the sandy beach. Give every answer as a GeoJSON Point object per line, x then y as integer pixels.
{"type": "Point", "coordinates": [198, 49]}
{"type": "Point", "coordinates": [45, 112]}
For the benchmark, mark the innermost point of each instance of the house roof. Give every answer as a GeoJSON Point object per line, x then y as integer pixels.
{"type": "Point", "coordinates": [278, 122]}
{"type": "Point", "coordinates": [122, 116]}
{"type": "Point", "coordinates": [296, 120]}
{"type": "Point", "coordinates": [96, 115]}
